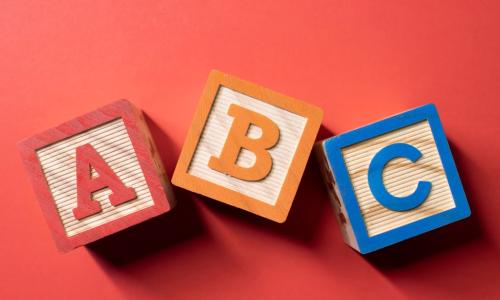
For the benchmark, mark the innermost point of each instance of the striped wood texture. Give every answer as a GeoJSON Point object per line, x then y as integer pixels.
{"type": "Point", "coordinates": [335, 197]}
{"type": "Point", "coordinates": [214, 136]}
{"type": "Point", "coordinates": [401, 177]}
{"type": "Point", "coordinates": [59, 166]}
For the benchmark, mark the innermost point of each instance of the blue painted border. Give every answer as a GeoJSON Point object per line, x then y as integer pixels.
{"type": "Point", "coordinates": [333, 149]}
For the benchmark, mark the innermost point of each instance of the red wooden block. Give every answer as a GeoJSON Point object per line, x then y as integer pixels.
{"type": "Point", "coordinates": [97, 174]}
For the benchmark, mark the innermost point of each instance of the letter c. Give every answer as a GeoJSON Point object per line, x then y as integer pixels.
{"type": "Point", "coordinates": [377, 187]}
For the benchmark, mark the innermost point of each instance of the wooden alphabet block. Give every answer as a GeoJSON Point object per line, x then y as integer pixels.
{"type": "Point", "coordinates": [97, 174]}
{"type": "Point", "coordinates": [393, 179]}
{"type": "Point", "coordinates": [247, 146]}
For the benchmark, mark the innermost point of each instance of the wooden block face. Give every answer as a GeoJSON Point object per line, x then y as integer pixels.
{"type": "Point", "coordinates": [219, 122]}
{"type": "Point", "coordinates": [59, 167]}
{"type": "Point", "coordinates": [248, 146]}
{"type": "Point", "coordinates": [396, 179]}
{"type": "Point", "coordinates": [400, 178]}
{"type": "Point", "coordinates": [96, 174]}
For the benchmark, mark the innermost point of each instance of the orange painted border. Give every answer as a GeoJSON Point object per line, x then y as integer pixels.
{"type": "Point", "coordinates": [279, 211]}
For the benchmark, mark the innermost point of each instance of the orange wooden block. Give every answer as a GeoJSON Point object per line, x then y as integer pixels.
{"type": "Point", "coordinates": [247, 146]}
{"type": "Point", "coordinates": [97, 174]}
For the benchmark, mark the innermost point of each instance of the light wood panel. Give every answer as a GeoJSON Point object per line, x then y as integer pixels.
{"type": "Point", "coordinates": [215, 134]}
{"type": "Point", "coordinates": [400, 177]}
{"type": "Point", "coordinates": [59, 166]}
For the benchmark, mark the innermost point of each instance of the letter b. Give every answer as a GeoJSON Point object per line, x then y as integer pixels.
{"type": "Point", "coordinates": [238, 139]}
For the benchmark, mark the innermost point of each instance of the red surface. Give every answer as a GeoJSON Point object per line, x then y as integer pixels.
{"type": "Point", "coordinates": [359, 60]}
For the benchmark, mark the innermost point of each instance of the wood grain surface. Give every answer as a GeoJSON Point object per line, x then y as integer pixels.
{"type": "Point", "coordinates": [400, 177]}
{"type": "Point", "coordinates": [59, 166]}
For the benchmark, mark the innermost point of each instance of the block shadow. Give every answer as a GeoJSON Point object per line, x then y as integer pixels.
{"type": "Point", "coordinates": [157, 234]}
{"type": "Point", "coordinates": [308, 210]}
{"type": "Point", "coordinates": [152, 236]}
{"type": "Point", "coordinates": [440, 240]}
{"type": "Point", "coordinates": [184, 222]}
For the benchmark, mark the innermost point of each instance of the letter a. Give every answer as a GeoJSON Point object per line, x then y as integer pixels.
{"type": "Point", "coordinates": [237, 139]}
{"type": "Point", "coordinates": [87, 159]}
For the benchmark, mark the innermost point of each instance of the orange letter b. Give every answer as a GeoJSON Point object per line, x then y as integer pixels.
{"type": "Point", "coordinates": [237, 139]}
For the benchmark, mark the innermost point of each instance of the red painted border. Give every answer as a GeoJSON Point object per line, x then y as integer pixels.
{"type": "Point", "coordinates": [131, 117]}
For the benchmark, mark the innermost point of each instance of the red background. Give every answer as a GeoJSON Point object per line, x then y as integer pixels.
{"type": "Point", "coordinates": [359, 60]}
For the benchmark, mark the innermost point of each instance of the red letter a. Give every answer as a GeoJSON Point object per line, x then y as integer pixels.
{"type": "Point", "coordinates": [87, 159]}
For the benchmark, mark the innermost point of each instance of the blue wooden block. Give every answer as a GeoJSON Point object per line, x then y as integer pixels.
{"type": "Point", "coordinates": [393, 179]}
